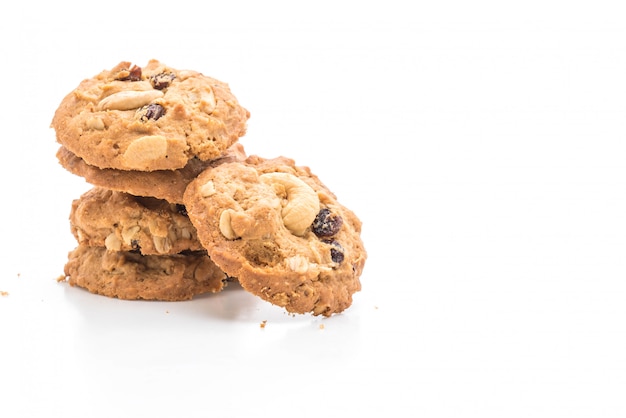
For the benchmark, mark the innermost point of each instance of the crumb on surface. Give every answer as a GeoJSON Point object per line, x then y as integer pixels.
{"type": "Point", "coordinates": [262, 325]}
{"type": "Point", "coordinates": [3, 293]}
{"type": "Point", "coordinates": [61, 278]}
{"type": "Point", "coordinates": [321, 326]}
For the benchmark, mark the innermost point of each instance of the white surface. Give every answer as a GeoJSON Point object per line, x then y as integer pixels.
{"type": "Point", "coordinates": [481, 143]}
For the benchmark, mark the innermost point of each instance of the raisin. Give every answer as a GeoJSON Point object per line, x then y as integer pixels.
{"type": "Point", "coordinates": [181, 209]}
{"type": "Point", "coordinates": [134, 74]}
{"type": "Point", "coordinates": [336, 255]}
{"type": "Point", "coordinates": [162, 81]}
{"type": "Point", "coordinates": [152, 111]}
{"type": "Point", "coordinates": [326, 224]}
{"type": "Point", "coordinates": [336, 251]}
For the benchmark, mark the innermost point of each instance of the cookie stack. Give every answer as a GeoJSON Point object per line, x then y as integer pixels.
{"type": "Point", "coordinates": [177, 209]}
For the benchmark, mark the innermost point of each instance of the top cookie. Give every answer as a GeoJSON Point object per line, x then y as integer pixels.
{"type": "Point", "coordinates": [280, 231]}
{"type": "Point", "coordinates": [150, 118]}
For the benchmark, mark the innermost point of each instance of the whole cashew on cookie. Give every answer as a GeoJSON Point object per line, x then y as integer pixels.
{"type": "Point", "coordinates": [303, 204]}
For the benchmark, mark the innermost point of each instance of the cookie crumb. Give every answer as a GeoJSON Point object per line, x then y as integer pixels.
{"type": "Point", "coordinates": [262, 325]}
{"type": "Point", "coordinates": [3, 293]}
{"type": "Point", "coordinates": [321, 326]}
{"type": "Point", "coordinates": [167, 312]}
{"type": "Point", "coordinates": [61, 278]}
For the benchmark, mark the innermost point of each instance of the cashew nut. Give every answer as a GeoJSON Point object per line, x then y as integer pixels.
{"type": "Point", "coordinates": [162, 244]}
{"type": "Point", "coordinates": [112, 242]}
{"type": "Point", "coordinates": [298, 263]}
{"type": "Point", "coordinates": [129, 234]}
{"type": "Point", "coordinates": [95, 123]}
{"type": "Point", "coordinates": [199, 94]}
{"type": "Point", "coordinates": [207, 189]}
{"type": "Point", "coordinates": [302, 202]}
{"type": "Point", "coordinates": [129, 99]}
{"type": "Point", "coordinates": [144, 150]}
{"type": "Point", "coordinates": [225, 227]}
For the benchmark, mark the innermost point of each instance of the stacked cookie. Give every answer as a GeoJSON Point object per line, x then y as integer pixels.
{"type": "Point", "coordinates": [177, 209]}
{"type": "Point", "coordinates": [139, 135]}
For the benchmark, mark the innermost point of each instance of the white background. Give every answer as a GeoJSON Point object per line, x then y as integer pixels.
{"type": "Point", "coordinates": [481, 143]}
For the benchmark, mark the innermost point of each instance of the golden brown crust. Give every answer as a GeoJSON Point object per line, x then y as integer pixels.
{"type": "Point", "coordinates": [161, 184]}
{"type": "Point", "coordinates": [132, 276]}
{"type": "Point", "coordinates": [300, 271]}
{"type": "Point", "coordinates": [150, 118]}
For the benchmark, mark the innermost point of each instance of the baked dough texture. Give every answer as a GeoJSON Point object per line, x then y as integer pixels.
{"type": "Point", "coordinates": [149, 118]}
{"type": "Point", "coordinates": [122, 222]}
{"type": "Point", "coordinates": [132, 276]}
{"type": "Point", "coordinates": [168, 185]}
{"type": "Point", "coordinates": [278, 229]}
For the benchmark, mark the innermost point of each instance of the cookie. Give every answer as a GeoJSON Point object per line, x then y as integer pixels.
{"type": "Point", "coordinates": [161, 184]}
{"type": "Point", "coordinates": [123, 222]}
{"type": "Point", "coordinates": [151, 118]}
{"type": "Point", "coordinates": [132, 276]}
{"type": "Point", "coordinates": [278, 229]}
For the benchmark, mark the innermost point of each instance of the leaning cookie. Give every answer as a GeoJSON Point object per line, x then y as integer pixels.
{"type": "Point", "coordinates": [123, 222]}
{"type": "Point", "coordinates": [168, 185]}
{"type": "Point", "coordinates": [281, 232]}
{"type": "Point", "coordinates": [132, 276]}
{"type": "Point", "coordinates": [150, 118]}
